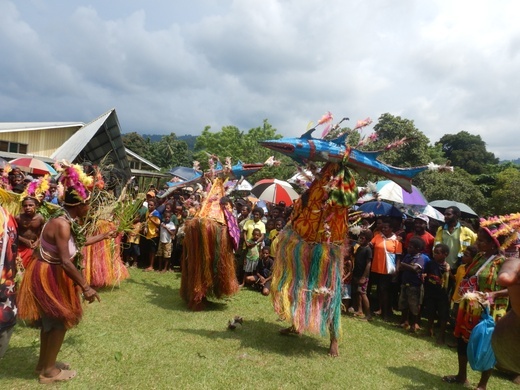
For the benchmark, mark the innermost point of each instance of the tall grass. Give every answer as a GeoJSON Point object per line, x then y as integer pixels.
{"type": "Point", "coordinates": [141, 336]}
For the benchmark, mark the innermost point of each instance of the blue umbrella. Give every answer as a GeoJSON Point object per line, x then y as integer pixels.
{"type": "Point", "coordinates": [380, 208]}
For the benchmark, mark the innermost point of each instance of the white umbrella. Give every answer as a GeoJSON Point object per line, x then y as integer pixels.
{"type": "Point", "coordinates": [466, 211]}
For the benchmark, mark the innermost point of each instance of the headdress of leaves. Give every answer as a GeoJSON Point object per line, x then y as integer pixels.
{"type": "Point", "coordinates": [506, 228]}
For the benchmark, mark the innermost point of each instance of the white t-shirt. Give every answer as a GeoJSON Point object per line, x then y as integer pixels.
{"type": "Point", "coordinates": [164, 233]}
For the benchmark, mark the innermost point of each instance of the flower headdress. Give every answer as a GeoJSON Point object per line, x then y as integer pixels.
{"type": "Point", "coordinates": [37, 189]}
{"type": "Point", "coordinates": [76, 183]}
{"type": "Point", "coordinates": [504, 228]}
{"type": "Point", "coordinates": [4, 178]}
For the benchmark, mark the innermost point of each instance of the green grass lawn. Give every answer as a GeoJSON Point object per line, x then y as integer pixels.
{"type": "Point", "coordinates": [141, 336]}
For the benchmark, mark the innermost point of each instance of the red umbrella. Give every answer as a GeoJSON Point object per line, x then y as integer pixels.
{"type": "Point", "coordinates": [274, 191]}
{"type": "Point", "coordinates": [33, 165]}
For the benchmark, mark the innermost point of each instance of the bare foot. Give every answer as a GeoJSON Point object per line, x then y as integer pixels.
{"type": "Point", "coordinates": [516, 380]}
{"type": "Point", "coordinates": [333, 349]}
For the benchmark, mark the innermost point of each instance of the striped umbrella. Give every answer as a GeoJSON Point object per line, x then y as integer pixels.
{"type": "Point", "coordinates": [274, 191]}
{"type": "Point", "coordinates": [33, 165]}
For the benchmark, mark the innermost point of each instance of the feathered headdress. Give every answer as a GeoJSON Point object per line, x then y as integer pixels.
{"type": "Point", "coordinates": [37, 189]}
{"type": "Point", "coordinates": [504, 228]}
{"type": "Point", "coordinates": [76, 183]}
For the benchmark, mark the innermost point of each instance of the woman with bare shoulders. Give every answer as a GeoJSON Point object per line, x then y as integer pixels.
{"type": "Point", "coordinates": [49, 292]}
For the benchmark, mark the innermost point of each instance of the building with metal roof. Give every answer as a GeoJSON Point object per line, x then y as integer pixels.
{"type": "Point", "coordinates": [98, 142]}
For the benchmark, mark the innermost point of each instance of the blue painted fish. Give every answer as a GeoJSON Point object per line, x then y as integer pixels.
{"type": "Point", "coordinates": [306, 148]}
{"type": "Point", "coordinates": [236, 171]}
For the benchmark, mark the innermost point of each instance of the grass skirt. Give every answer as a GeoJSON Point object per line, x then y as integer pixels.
{"type": "Point", "coordinates": [306, 284]}
{"type": "Point", "coordinates": [46, 291]}
{"type": "Point", "coordinates": [102, 263]}
{"type": "Point", "coordinates": [208, 262]}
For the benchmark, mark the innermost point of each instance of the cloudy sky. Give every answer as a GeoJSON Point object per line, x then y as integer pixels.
{"type": "Point", "coordinates": [178, 66]}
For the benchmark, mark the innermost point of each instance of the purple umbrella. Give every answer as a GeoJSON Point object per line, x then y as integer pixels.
{"type": "Point", "coordinates": [390, 191]}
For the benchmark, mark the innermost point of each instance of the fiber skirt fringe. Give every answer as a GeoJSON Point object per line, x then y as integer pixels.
{"type": "Point", "coordinates": [46, 291]}
{"type": "Point", "coordinates": [208, 262]}
{"type": "Point", "coordinates": [306, 284]}
{"type": "Point", "coordinates": [102, 263]}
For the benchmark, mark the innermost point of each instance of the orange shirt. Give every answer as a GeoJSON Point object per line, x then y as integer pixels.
{"type": "Point", "coordinates": [378, 252]}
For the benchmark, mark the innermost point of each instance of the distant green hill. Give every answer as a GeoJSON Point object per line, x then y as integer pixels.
{"type": "Point", "coordinates": [517, 161]}
{"type": "Point", "coordinates": [189, 139]}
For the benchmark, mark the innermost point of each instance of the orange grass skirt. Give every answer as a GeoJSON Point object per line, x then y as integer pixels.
{"type": "Point", "coordinates": [46, 291]}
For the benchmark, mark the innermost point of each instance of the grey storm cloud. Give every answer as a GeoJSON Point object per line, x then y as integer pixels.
{"type": "Point", "coordinates": [178, 66]}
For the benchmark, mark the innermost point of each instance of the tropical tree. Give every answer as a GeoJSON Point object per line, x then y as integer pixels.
{"type": "Point", "coordinates": [170, 152]}
{"type": "Point", "coordinates": [467, 151]}
{"type": "Point", "coordinates": [240, 146]}
{"type": "Point", "coordinates": [457, 186]}
{"type": "Point", "coordinates": [505, 199]}
{"type": "Point", "coordinates": [137, 144]}
{"type": "Point", "coordinates": [415, 151]}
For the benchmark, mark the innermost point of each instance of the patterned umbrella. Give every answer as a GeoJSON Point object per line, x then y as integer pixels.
{"type": "Point", "coordinates": [33, 165]}
{"type": "Point", "coordinates": [274, 191]}
{"type": "Point", "coordinates": [390, 191]}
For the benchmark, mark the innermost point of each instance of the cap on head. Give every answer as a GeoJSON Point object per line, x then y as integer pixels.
{"type": "Point", "coordinates": [422, 217]}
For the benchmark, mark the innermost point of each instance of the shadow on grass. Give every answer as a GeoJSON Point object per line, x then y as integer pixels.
{"type": "Point", "coordinates": [169, 298]}
{"type": "Point", "coordinates": [253, 334]}
{"type": "Point", "coordinates": [423, 379]}
{"type": "Point", "coordinates": [19, 363]}
{"type": "Point", "coordinates": [421, 334]}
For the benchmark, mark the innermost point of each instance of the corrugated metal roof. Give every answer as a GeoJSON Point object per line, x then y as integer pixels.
{"type": "Point", "coordinates": [11, 127]}
{"type": "Point", "coordinates": [97, 141]}
{"type": "Point", "coordinates": [141, 173]}
{"type": "Point", "coordinates": [135, 155]}
{"type": "Point", "coordinates": [12, 156]}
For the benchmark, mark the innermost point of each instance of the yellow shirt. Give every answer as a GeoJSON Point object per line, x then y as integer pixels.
{"type": "Point", "coordinates": [461, 271]}
{"type": "Point", "coordinates": [152, 223]}
{"type": "Point", "coordinates": [134, 234]}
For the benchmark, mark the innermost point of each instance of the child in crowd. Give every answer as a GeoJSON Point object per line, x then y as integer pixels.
{"type": "Point", "coordinates": [360, 274]}
{"type": "Point", "coordinates": [346, 282]}
{"type": "Point", "coordinates": [30, 224]}
{"type": "Point", "coordinates": [269, 227]}
{"type": "Point", "coordinates": [436, 299]}
{"type": "Point", "coordinates": [252, 254]}
{"type": "Point", "coordinates": [278, 226]}
{"type": "Point", "coordinates": [467, 258]}
{"type": "Point", "coordinates": [264, 271]}
{"type": "Point", "coordinates": [166, 235]}
{"type": "Point", "coordinates": [132, 251]}
{"type": "Point", "coordinates": [411, 269]}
